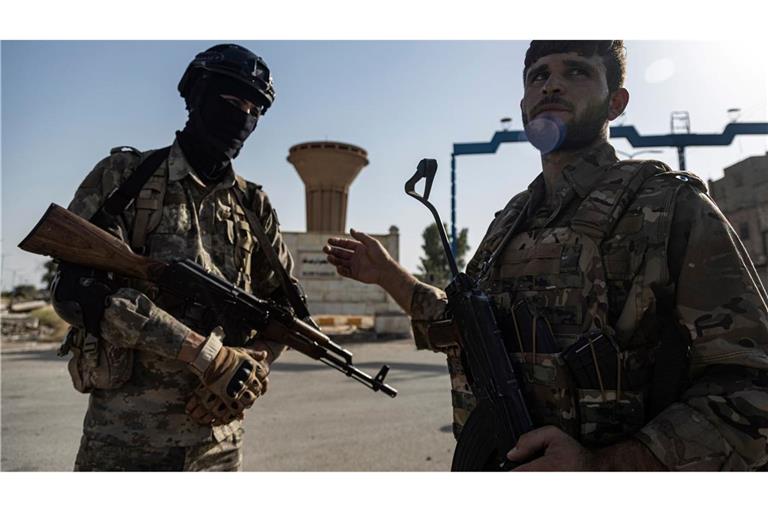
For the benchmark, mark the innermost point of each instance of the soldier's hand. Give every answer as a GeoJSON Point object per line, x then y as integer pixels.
{"type": "Point", "coordinates": [234, 376]}
{"type": "Point", "coordinates": [207, 408]}
{"type": "Point", "coordinates": [363, 259]}
{"type": "Point", "coordinates": [558, 452]}
{"type": "Point", "coordinates": [553, 450]}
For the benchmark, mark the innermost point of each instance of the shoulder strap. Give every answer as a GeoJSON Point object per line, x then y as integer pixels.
{"type": "Point", "coordinates": [148, 206]}
{"type": "Point", "coordinates": [508, 234]}
{"type": "Point", "coordinates": [289, 288]}
{"type": "Point", "coordinates": [599, 212]}
{"type": "Point", "coordinates": [121, 197]}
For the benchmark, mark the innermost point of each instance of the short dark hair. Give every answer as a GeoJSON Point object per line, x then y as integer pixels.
{"type": "Point", "coordinates": [613, 54]}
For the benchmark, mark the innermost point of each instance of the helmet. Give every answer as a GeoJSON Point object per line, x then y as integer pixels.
{"type": "Point", "coordinates": [68, 309]}
{"type": "Point", "coordinates": [236, 62]}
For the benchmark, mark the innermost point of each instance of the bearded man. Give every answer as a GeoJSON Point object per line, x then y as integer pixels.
{"type": "Point", "coordinates": [627, 303]}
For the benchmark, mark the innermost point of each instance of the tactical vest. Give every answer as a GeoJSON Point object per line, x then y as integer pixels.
{"type": "Point", "coordinates": [598, 277]}
{"type": "Point", "coordinates": [161, 220]}
{"type": "Point", "coordinates": [149, 224]}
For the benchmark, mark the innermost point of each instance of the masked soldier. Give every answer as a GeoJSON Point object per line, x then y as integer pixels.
{"type": "Point", "coordinates": [156, 369]}
{"type": "Point", "coordinates": [630, 307]}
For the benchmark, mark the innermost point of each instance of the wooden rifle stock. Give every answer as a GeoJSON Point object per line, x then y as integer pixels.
{"type": "Point", "coordinates": [65, 236]}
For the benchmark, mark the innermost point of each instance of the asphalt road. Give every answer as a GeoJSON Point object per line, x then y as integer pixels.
{"type": "Point", "coordinates": [312, 419]}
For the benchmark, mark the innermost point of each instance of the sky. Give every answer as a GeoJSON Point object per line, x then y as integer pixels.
{"type": "Point", "coordinates": [66, 103]}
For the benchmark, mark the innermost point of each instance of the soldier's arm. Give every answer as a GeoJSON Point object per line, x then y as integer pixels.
{"type": "Point", "coordinates": [428, 305]}
{"type": "Point", "coordinates": [365, 259]}
{"type": "Point", "coordinates": [130, 320]}
{"type": "Point", "coordinates": [721, 419]}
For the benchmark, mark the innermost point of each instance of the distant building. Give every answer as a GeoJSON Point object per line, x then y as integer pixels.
{"type": "Point", "coordinates": [327, 169]}
{"type": "Point", "coordinates": [742, 195]}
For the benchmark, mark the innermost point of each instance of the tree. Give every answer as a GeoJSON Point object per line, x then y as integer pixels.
{"type": "Point", "coordinates": [434, 268]}
{"type": "Point", "coordinates": [24, 292]}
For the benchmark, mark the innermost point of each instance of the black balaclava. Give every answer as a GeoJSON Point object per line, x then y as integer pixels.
{"type": "Point", "coordinates": [215, 129]}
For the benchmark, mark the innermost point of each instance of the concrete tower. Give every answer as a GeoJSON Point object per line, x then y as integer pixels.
{"type": "Point", "coordinates": [327, 170]}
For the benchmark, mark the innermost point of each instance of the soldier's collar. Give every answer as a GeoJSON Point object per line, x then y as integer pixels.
{"type": "Point", "coordinates": [580, 177]}
{"type": "Point", "coordinates": [583, 174]}
{"type": "Point", "coordinates": [179, 168]}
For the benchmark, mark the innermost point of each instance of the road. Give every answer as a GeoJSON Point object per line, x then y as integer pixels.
{"type": "Point", "coordinates": [312, 419]}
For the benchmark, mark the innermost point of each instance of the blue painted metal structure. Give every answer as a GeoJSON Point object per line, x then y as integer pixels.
{"type": "Point", "coordinates": [677, 140]}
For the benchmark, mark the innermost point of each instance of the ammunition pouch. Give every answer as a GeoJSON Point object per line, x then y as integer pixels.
{"type": "Point", "coordinates": [95, 363]}
{"type": "Point", "coordinates": [591, 390]}
{"type": "Point", "coordinates": [610, 394]}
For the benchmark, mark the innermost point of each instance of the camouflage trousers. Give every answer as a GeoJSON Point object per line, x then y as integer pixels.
{"type": "Point", "coordinates": [225, 455]}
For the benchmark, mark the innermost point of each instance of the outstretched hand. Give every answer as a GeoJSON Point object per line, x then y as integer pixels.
{"type": "Point", "coordinates": [363, 259]}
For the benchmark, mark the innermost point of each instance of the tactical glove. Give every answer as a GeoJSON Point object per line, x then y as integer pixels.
{"type": "Point", "coordinates": [232, 379]}
{"type": "Point", "coordinates": [206, 408]}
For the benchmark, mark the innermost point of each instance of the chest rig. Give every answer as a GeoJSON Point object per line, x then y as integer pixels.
{"type": "Point", "coordinates": [165, 223]}
{"type": "Point", "coordinates": [162, 224]}
{"type": "Point", "coordinates": [576, 302]}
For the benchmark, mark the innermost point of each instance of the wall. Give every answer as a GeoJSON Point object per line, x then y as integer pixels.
{"type": "Point", "coordinates": [327, 292]}
{"type": "Point", "coordinates": [742, 195]}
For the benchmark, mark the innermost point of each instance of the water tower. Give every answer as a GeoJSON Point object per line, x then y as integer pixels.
{"type": "Point", "coordinates": [327, 170]}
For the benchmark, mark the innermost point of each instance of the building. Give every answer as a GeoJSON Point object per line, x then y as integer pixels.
{"type": "Point", "coordinates": [327, 169]}
{"type": "Point", "coordinates": [742, 195]}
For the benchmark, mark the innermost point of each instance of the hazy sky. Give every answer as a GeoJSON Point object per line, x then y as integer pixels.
{"type": "Point", "coordinates": [66, 103]}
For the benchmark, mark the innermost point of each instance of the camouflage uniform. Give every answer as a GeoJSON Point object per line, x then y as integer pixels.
{"type": "Point", "coordinates": [141, 415]}
{"type": "Point", "coordinates": [637, 252]}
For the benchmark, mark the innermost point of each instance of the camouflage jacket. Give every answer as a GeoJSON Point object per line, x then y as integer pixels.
{"type": "Point", "coordinates": [660, 271]}
{"type": "Point", "coordinates": [187, 220]}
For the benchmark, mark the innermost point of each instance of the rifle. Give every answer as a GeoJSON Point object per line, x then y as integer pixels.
{"type": "Point", "coordinates": [67, 237]}
{"type": "Point", "coordinates": [501, 415]}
